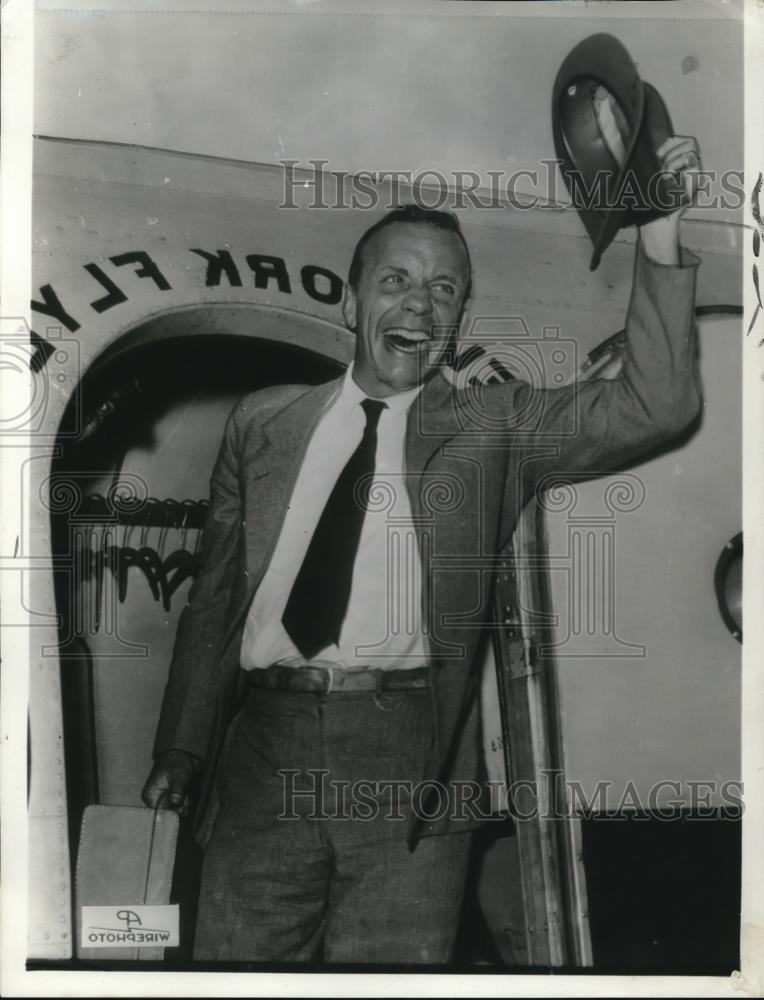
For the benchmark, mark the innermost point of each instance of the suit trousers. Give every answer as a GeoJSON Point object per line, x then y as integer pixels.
{"type": "Point", "coordinates": [308, 858]}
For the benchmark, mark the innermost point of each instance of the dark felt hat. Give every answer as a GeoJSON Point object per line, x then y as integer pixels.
{"type": "Point", "coordinates": [607, 126]}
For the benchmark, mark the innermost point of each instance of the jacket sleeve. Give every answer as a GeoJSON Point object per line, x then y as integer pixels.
{"type": "Point", "coordinates": [590, 428]}
{"type": "Point", "coordinates": [194, 683]}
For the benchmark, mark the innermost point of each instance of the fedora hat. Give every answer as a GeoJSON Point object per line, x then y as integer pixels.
{"type": "Point", "coordinates": [607, 125]}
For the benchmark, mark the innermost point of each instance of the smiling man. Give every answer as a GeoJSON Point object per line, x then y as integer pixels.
{"type": "Point", "coordinates": [325, 666]}
{"type": "Point", "coordinates": [406, 291]}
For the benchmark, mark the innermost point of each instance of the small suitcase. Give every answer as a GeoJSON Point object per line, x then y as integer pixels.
{"type": "Point", "coordinates": [125, 860]}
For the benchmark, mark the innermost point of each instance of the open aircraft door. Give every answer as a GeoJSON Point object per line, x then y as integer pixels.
{"type": "Point", "coordinates": [192, 288]}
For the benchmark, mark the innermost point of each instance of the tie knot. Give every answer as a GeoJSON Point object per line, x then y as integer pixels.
{"type": "Point", "coordinates": [372, 408]}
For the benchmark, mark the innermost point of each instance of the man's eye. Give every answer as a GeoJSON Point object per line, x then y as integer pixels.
{"type": "Point", "coordinates": [392, 279]}
{"type": "Point", "coordinates": [445, 288]}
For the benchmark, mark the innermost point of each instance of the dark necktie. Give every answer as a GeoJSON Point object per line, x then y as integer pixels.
{"type": "Point", "coordinates": [320, 595]}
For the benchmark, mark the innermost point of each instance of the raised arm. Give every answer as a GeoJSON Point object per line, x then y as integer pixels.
{"type": "Point", "coordinates": [591, 427]}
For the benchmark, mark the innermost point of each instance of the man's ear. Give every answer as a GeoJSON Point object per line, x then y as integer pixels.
{"type": "Point", "coordinates": [459, 335]}
{"type": "Point", "coordinates": [350, 307]}
{"type": "Point", "coordinates": [465, 322]}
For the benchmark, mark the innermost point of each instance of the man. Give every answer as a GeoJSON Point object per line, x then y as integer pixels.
{"type": "Point", "coordinates": [359, 675]}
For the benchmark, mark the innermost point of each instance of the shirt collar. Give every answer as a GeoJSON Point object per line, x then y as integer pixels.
{"type": "Point", "coordinates": [351, 394]}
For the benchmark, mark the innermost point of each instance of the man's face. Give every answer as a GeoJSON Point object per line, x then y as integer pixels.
{"type": "Point", "coordinates": [407, 306]}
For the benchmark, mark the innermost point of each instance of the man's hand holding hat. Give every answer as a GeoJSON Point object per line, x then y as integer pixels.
{"type": "Point", "coordinates": [680, 157]}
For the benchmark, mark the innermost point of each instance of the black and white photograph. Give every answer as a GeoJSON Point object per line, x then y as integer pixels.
{"type": "Point", "coordinates": [381, 425]}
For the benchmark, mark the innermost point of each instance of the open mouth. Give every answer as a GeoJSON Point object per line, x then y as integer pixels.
{"type": "Point", "coordinates": [407, 341]}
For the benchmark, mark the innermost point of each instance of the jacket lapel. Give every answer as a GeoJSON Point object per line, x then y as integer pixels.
{"type": "Point", "coordinates": [272, 463]}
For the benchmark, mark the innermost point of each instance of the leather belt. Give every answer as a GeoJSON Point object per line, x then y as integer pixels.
{"type": "Point", "coordinates": [326, 680]}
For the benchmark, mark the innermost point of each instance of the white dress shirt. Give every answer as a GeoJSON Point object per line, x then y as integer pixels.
{"type": "Point", "coordinates": [383, 624]}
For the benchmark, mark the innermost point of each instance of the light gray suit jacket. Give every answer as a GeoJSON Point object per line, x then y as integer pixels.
{"type": "Point", "coordinates": [473, 459]}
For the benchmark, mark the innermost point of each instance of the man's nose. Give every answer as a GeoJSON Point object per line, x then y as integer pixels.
{"type": "Point", "coordinates": [418, 300]}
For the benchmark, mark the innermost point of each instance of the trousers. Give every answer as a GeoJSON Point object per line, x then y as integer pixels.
{"type": "Point", "coordinates": [308, 859]}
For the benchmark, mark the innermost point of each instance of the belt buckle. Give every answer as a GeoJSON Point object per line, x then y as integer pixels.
{"type": "Point", "coordinates": [343, 675]}
{"type": "Point", "coordinates": [330, 687]}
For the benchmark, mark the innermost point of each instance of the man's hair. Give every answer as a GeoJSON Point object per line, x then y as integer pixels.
{"type": "Point", "coordinates": [412, 214]}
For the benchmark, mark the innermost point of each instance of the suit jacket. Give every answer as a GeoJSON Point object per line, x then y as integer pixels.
{"type": "Point", "coordinates": [473, 458]}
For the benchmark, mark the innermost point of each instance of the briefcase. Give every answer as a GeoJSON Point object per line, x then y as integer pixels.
{"type": "Point", "coordinates": [124, 867]}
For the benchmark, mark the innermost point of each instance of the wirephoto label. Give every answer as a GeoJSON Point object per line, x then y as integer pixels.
{"type": "Point", "coordinates": [128, 926]}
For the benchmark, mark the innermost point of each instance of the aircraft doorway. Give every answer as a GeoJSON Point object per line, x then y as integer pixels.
{"type": "Point", "coordinates": [128, 499]}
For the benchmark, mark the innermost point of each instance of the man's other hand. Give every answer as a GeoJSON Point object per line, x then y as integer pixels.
{"type": "Point", "coordinates": [679, 156]}
{"type": "Point", "coordinates": [167, 785]}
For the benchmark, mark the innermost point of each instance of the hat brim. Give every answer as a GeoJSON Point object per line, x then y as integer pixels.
{"type": "Point", "coordinates": [582, 147]}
